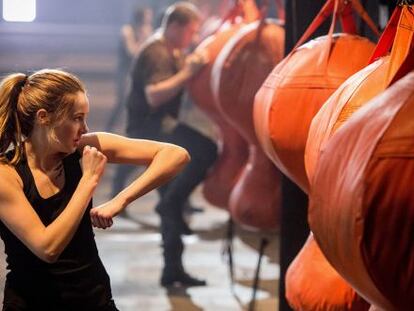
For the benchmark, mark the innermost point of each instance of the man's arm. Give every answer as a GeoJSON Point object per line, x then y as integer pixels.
{"type": "Point", "coordinates": [161, 92]}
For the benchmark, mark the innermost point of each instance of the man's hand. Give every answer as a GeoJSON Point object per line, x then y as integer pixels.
{"type": "Point", "coordinates": [162, 92]}
{"type": "Point", "coordinates": [195, 61]}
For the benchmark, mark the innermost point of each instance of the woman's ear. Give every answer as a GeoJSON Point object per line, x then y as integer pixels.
{"type": "Point", "coordinates": [42, 117]}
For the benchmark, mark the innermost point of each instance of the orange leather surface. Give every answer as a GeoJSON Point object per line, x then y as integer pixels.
{"type": "Point", "coordinates": [350, 96]}
{"type": "Point", "coordinates": [294, 92]}
{"type": "Point", "coordinates": [233, 151]}
{"type": "Point", "coordinates": [360, 88]}
{"type": "Point", "coordinates": [338, 216]}
{"type": "Point", "coordinates": [237, 73]}
{"type": "Point", "coordinates": [362, 209]}
{"type": "Point", "coordinates": [389, 203]}
{"type": "Point", "coordinates": [296, 89]}
{"type": "Point", "coordinates": [251, 12]}
{"type": "Point", "coordinates": [284, 108]}
{"type": "Point", "coordinates": [312, 284]}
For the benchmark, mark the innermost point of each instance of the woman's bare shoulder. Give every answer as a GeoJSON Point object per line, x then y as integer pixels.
{"type": "Point", "coordinates": [9, 176]}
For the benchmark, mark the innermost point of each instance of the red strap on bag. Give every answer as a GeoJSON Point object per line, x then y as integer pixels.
{"type": "Point", "coordinates": [347, 19]}
{"type": "Point", "coordinates": [402, 42]}
{"type": "Point", "coordinates": [233, 13]}
{"type": "Point", "coordinates": [264, 9]}
{"type": "Point", "coordinates": [397, 36]}
{"type": "Point", "coordinates": [356, 4]}
{"type": "Point", "coordinates": [281, 13]}
{"type": "Point", "coordinates": [344, 10]}
{"type": "Point", "coordinates": [330, 8]}
{"type": "Point", "coordinates": [250, 11]}
{"type": "Point", "coordinates": [263, 12]}
{"type": "Point", "coordinates": [387, 38]}
{"type": "Point", "coordinates": [323, 14]}
{"type": "Point", "coordinates": [242, 8]}
{"type": "Point", "coordinates": [406, 67]}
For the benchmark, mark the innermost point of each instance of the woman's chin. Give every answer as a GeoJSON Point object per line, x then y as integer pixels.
{"type": "Point", "coordinates": [70, 149]}
{"type": "Point", "coordinates": [76, 145]}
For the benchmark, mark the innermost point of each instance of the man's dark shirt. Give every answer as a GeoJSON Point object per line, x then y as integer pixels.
{"type": "Point", "coordinates": [154, 63]}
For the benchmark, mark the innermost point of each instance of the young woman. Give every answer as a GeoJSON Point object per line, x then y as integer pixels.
{"type": "Point", "coordinates": [49, 171]}
{"type": "Point", "coordinates": [133, 36]}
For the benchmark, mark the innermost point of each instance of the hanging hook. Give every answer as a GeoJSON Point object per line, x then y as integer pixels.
{"type": "Point", "coordinates": [405, 2]}
{"type": "Point", "coordinates": [342, 6]}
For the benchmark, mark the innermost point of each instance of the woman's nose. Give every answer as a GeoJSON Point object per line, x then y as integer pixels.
{"type": "Point", "coordinates": [85, 128]}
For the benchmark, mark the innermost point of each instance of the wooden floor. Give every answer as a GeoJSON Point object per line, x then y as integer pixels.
{"type": "Point", "coordinates": [131, 249]}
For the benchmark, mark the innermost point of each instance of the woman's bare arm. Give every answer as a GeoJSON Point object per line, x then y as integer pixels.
{"type": "Point", "coordinates": [164, 161]}
{"type": "Point", "coordinates": [47, 242]}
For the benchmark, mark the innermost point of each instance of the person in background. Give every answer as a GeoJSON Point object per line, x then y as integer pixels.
{"type": "Point", "coordinates": [159, 76]}
{"type": "Point", "coordinates": [133, 35]}
{"type": "Point", "coordinates": [49, 170]}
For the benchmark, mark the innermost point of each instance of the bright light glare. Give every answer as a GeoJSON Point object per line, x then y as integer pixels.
{"type": "Point", "coordinates": [19, 10]}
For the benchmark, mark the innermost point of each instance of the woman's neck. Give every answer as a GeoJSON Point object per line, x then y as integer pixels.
{"type": "Point", "coordinates": [41, 158]}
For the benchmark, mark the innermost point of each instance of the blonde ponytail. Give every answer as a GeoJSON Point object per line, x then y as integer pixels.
{"type": "Point", "coordinates": [10, 127]}
{"type": "Point", "coordinates": [22, 96]}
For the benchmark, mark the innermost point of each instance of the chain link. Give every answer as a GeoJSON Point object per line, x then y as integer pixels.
{"type": "Point", "coordinates": [405, 2]}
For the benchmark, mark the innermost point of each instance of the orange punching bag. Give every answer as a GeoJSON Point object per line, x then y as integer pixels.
{"type": "Point", "coordinates": [284, 107]}
{"type": "Point", "coordinates": [233, 149]}
{"type": "Point", "coordinates": [299, 85]}
{"type": "Point", "coordinates": [319, 287]}
{"type": "Point", "coordinates": [237, 73]}
{"type": "Point", "coordinates": [362, 86]}
{"type": "Point", "coordinates": [329, 209]}
{"type": "Point", "coordinates": [366, 173]}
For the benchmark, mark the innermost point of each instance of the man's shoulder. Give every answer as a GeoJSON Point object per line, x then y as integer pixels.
{"type": "Point", "coordinates": [154, 47]}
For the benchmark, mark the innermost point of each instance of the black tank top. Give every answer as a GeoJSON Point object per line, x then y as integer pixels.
{"type": "Point", "coordinates": [77, 280]}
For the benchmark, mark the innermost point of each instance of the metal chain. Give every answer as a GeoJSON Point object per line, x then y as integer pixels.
{"type": "Point", "coordinates": [405, 2]}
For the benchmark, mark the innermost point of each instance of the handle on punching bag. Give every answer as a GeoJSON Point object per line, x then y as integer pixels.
{"type": "Point", "coordinates": [330, 7]}
{"type": "Point", "coordinates": [406, 67]}
{"type": "Point", "coordinates": [230, 16]}
{"type": "Point", "coordinates": [356, 4]}
{"type": "Point", "coordinates": [281, 13]}
{"type": "Point", "coordinates": [326, 10]}
{"type": "Point", "coordinates": [408, 64]}
{"type": "Point", "coordinates": [405, 2]}
{"type": "Point", "coordinates": [263, 13]}
{"type": "Point", "coordinates": [344, 10]}
{"type": "Point", "coordinates": [397, 36]}
{"type": "Point", "coordinates": [264, 9]}
{"type": "Point", "coordinates": [240, 8]}
{"type": "Point", "coordinates": [347, 19]}
{"type": "Point", "coordinates": [402, 43]}
{"type": "Point", "coordinates": [233, 13]}
{"type": "Point", "coordinates": [250, 11]}
{"type": "Point", "coordinates": [336, 8]}
{"type": "Point", "coordinates": [387, 38]}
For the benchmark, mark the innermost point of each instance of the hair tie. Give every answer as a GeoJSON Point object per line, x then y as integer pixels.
{"type": "Point", "coordinates": [17, 89]}
{"type": "Point", "coordinates": [23, 82]}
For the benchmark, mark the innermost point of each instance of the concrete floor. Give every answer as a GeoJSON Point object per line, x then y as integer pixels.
{"type": "Point", "coordinates": [131, 249]}
{"type": "Point", "coordinates": [131, 253]}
